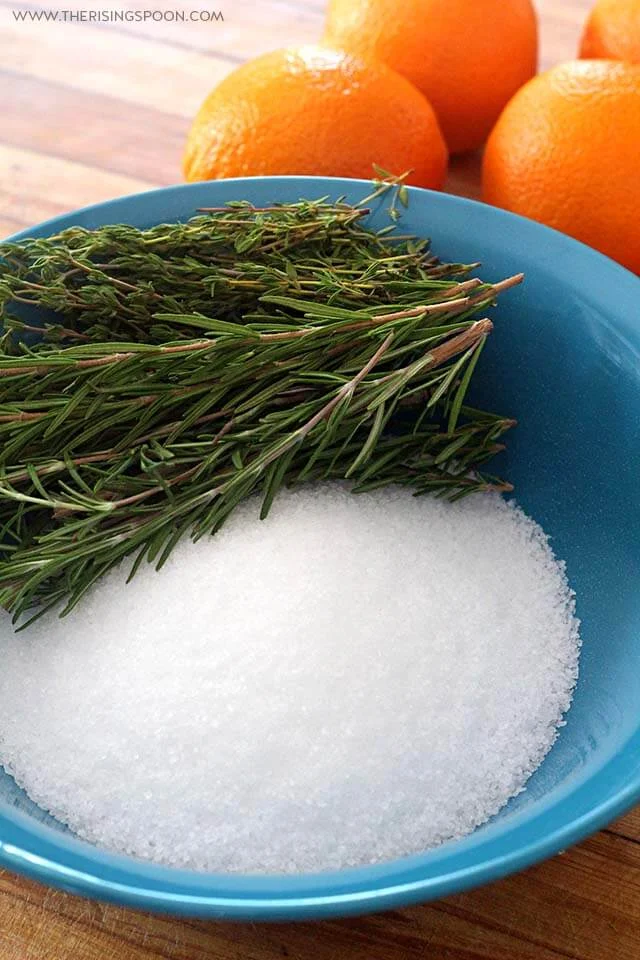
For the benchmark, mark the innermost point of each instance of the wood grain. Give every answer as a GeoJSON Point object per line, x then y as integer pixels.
{"type": "Point", "coordinates": [96, 111]}
{"type": "Point", "coordinates": [42, 53]}
{"type": "Point", "coordinates": [43, 186]}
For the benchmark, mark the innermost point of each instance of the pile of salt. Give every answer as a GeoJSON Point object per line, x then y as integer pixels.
{"type": "Point", "coordinates": [354, 679]}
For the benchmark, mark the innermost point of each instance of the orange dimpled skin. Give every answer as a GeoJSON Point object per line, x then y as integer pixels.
{"type": "Point", "coordinates": [612, 31]}
{"type": "Point", "coordinates": [468, 57]}
{"type": "Point", "coordinates": [566, 152]}
{"type": "Point", "coordinates": [317, 111]}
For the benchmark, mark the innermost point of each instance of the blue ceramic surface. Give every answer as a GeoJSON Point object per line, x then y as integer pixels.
{"type": "Point", "coordinates": [565, 360]}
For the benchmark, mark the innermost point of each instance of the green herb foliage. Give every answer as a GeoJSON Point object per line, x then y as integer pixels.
{"type": "Point", "coordinates": [185, 367]}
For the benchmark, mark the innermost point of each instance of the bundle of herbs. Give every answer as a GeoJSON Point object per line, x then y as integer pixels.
{"type": "Point", "coordinates": [180, 369]}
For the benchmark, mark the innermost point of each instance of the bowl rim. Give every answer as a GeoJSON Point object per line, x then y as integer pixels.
{"type": "Point", "coordinates": [265, 903]}
{"type": "Point", "coordinates": [360, 889]}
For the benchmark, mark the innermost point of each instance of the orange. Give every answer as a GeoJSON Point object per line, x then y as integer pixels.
{"type": "Point", "coordinates": [467, 56]}
{"type": "Point", "coordinates": [565, 152]}
{"type": "Point", "coordinates": [312, 110]}
{"type": "Point", "coordinates": [613, 31]}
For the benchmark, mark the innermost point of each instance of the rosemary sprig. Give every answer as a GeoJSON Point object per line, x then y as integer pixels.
{"type": "Point", "coordinates": [188, 366]}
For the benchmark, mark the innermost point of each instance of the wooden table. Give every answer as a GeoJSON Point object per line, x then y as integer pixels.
{"type": "Point", "coordinates": [91, 112]}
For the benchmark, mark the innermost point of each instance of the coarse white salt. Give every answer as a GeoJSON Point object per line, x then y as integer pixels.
{"type": "Point", "coordinates": [354, 679]}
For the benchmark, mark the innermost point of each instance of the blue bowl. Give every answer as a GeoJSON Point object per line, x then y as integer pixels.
{"type": "Point", "coordinates": [565, 360]}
